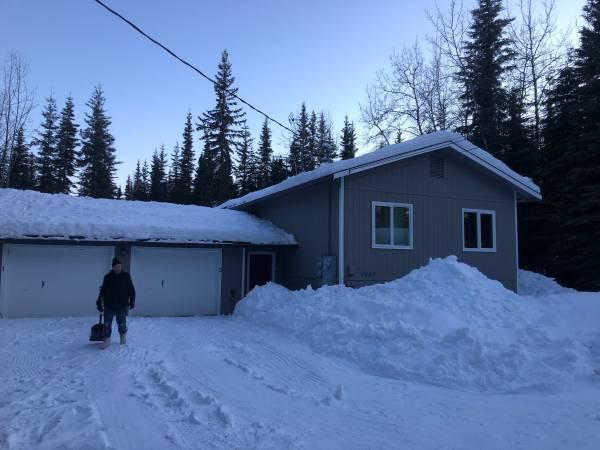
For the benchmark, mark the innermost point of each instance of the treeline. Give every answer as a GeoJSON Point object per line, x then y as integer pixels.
{"type": "Point", "coordinates": [514, 86]}
{"type": "Point", "coordinates": [62, 157]}
{"type": "Point", "coordinates": [230, 163]}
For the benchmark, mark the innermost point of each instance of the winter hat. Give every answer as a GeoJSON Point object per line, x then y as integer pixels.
{"type": "Point", "coordinates": [115, 261]}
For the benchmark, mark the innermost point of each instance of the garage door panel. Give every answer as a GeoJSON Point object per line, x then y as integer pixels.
{"type": "Point", "coordinates": [52, 280]}
{"type": "Point", "coordinates": [175, 281]}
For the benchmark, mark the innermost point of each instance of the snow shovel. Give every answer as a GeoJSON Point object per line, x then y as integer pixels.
{"type": "Point", "coordinates": [97, 331]}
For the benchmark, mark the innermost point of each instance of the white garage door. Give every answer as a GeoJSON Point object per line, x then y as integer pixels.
{"type": "Point", "coordinates": [176, 281]}
{"type": "Point", "coordinates": [52, 280]}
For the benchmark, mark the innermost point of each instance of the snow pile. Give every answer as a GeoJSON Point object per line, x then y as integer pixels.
{"type": "Point", "coordinates": [444, 324]}
{"type": "Point", "coordinates": [538, 285]}
{"type": "Point", "coordinates": [29, 214]}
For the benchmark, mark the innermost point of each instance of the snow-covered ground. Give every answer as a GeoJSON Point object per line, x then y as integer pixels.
{"type": "Point", "coordinates": [443, 358]}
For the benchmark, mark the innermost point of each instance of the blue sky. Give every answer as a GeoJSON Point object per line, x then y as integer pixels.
{"type": "Point", "coordinates": [283, 53]}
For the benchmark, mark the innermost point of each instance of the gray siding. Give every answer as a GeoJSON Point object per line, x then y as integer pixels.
{"type": "Point", "coordinates": [437, 207]}
{"type": "Point", "coordinates": [310, 214]}
{"type": "Point", "coordinates": [231, 279]}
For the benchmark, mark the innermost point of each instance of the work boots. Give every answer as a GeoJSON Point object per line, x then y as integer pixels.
{"type": "Point", "coordinates": [106, 343]}
{"type": "Point", "coordinates": [123, 339]}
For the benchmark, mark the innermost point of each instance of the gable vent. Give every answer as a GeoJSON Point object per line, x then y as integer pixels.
{"type": "Point", "coordinates": [436, 166]}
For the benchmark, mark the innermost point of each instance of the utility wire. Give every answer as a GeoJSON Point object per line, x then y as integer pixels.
{"type": "Point", "coordinates": [191, 66]}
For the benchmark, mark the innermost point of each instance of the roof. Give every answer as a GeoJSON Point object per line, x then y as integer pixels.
{"type": "Point", "coordinates": [439, 140]}
{"type": "Point", "coordinates": [34, 215]}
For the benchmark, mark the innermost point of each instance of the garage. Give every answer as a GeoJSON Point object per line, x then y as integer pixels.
{"type": "Point", "coordinates": [52, 280]}
{"type": "Point", "coordinates": [176, 281]}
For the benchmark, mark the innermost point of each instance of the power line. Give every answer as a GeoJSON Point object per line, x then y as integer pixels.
{"type": "Point", "coordinates": [191, 66]}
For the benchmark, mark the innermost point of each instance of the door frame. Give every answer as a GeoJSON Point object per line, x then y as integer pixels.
{"type": "Point", "coordinates": [259, 252]}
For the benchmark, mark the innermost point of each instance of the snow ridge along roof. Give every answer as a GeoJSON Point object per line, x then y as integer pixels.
{"type": "Point", "coordinates": [417, 146]}
{"type": "Point", "coordinates": [34, 215]}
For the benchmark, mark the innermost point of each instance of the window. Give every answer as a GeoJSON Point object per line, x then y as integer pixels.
{"type": "Point", "coordinates": [392, 225]}
{"type": "Point", "coordinates": [479, 230]}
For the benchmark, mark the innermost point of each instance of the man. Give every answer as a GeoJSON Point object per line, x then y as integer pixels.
{"type": "Point", "coordinates": [117, 297]}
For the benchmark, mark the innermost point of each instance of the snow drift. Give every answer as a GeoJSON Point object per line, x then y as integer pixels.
{"type": "Point", "coordinates": [535, 284]}
{"type": "Point", "coordinates": [444, 324]}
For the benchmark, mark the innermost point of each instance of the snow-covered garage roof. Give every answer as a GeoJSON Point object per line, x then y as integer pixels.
{"type": "Point", "coordinates": [417, 146]}
{"type": "Point", "coordinates": [34, 215]}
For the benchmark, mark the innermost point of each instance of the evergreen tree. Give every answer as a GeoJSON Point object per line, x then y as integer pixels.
{"type": "Point", "coordinates": [145, 181]}
{"type": "Point", "coordinates": [300, 146]}
{"type": "Point", "coordinates": [138, 183]}
{"type": "Point", "coordinates": [20, 170]}
{"type": "Point", "coordinates": [519, 146]}
{"type": "Point", "coordinates": [96, 157]}
{"type": "Point", "coordinates": [204, 185]}
{"type": "Point", "coordinates": [265, 152]}
{"type": "Point", "coordinates": [158, 176]}
{"type": "Point", "coordinates": [326, 149]}
{"type": "Point", "coordinates": [46, 143]}
{"type": "Point", "coordinates": [66, 148]}
{"type": "Point", "coordinates": [572, 162]}
{"type": "Point", "coordinates": [279, 170]}
{"type": "Point", "coordinates": [348, 140]}
{"type": "Point", "coordinates": [183, 190]}
{"type": "Point", "coordinates": [311, 155]}
{"type": "Point", "coordinates": [245, 168]}
{"type": "Point", "coordinates": [119, 193]}
{"type": "Point", "coordinates": [223, 133]}
{"type": "Point", "coordinates": [398, 139]}
{"type": "Point", "coordinates": [487, 57]}
{"type": "Point", "coordinates": [128, 188]}
{"type": "Point", "coordinates": [174, 181]}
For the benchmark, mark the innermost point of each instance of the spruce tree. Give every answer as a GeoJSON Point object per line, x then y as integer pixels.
{"type": "Point", "coordinates": [46, 143]}
{"type": "Point", "coordinates": [325, 144]}
{"type": "Point", "coordinates": [128, 188]}
{"type": "Point", "coordinates": [96, 157]}
{"type": "Point", "coordinates": [279, 170]}
{"type": "Point", "coordinates": [158, 176]}
{"type": "Point", "coordinates": [66, 148]}
{"type": "Point", "coordinates": [265, 152]}
{"type": "Point", "coordinates": [183, 190]}
{"type": "Point", "coordinates": [119, 195]}
{"type": "Point", "coordinates": [20, 171]}
{"type": "Point", "coordinates": [348, 140]}
{"type": "Point", "coordinates": [301, 145]}
{"type": "Point", "coordinates": [572, 162]}
{"type": "Point", "coordinates": [244, 170]}
{"type": "Point", "coordinates": [138, 183]}
{"type": "Point", "coordinates": [145, 181]}
{"type": "Point", "coordinates": [204, 182]}
{"type": "Point", "coordinates": [223, 133]}
{"type": "Point", "coordinates": [311, 155]}
{"type": "Point", "coordinates": [174, 179]}
{"type": "Point", "coordinates": [487, 58]}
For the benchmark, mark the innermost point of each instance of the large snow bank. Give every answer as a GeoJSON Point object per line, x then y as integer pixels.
{"type": "Point", "coordinates": [29, 214]}
{"type": "Point", "coordinates": [535, 284]}
{"type": "Point", "coordinates": [445, 324]}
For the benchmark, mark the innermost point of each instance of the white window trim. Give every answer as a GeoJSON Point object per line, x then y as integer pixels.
{"type": "Point", "coordinates": [479, 249]}
{"type": "Point", "coordinates": [410, 226]}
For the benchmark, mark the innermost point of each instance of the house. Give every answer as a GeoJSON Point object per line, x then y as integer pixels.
{"type": "Point", "coordinates": [361, 221]}
{"type": "Point", "coordinates": [376, 217]}
{"type": "Point", "coordinates": [184, 260]}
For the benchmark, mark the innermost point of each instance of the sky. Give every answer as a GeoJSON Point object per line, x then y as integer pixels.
{"type": "Point", "coordinates": [282, 52]}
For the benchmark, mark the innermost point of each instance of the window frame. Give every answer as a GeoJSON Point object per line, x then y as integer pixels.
{"type": "Point", "coordinates": [392, 246]}
{"type": "Point", "coordinates": [479, 212]}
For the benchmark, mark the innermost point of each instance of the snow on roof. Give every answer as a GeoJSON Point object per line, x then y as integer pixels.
{"type": "Point", "coordinates": [421, 144]}
{"type": "Point", "coordinates": [29, 214]}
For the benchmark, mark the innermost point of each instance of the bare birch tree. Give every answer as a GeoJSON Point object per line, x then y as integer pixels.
{"type": "Point", "coordinates": [540, 50]}
{"type": "Point", "coordinates": [414, 97]}
{"type": "Point", "coordinates": [16, 103]}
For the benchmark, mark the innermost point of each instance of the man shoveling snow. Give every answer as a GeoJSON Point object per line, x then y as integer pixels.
{"type": "Point", "coordinates": [117, 297]}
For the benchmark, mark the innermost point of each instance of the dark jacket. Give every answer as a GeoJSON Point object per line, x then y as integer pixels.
{"type": "Point", "coordinates": [117, 291]}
